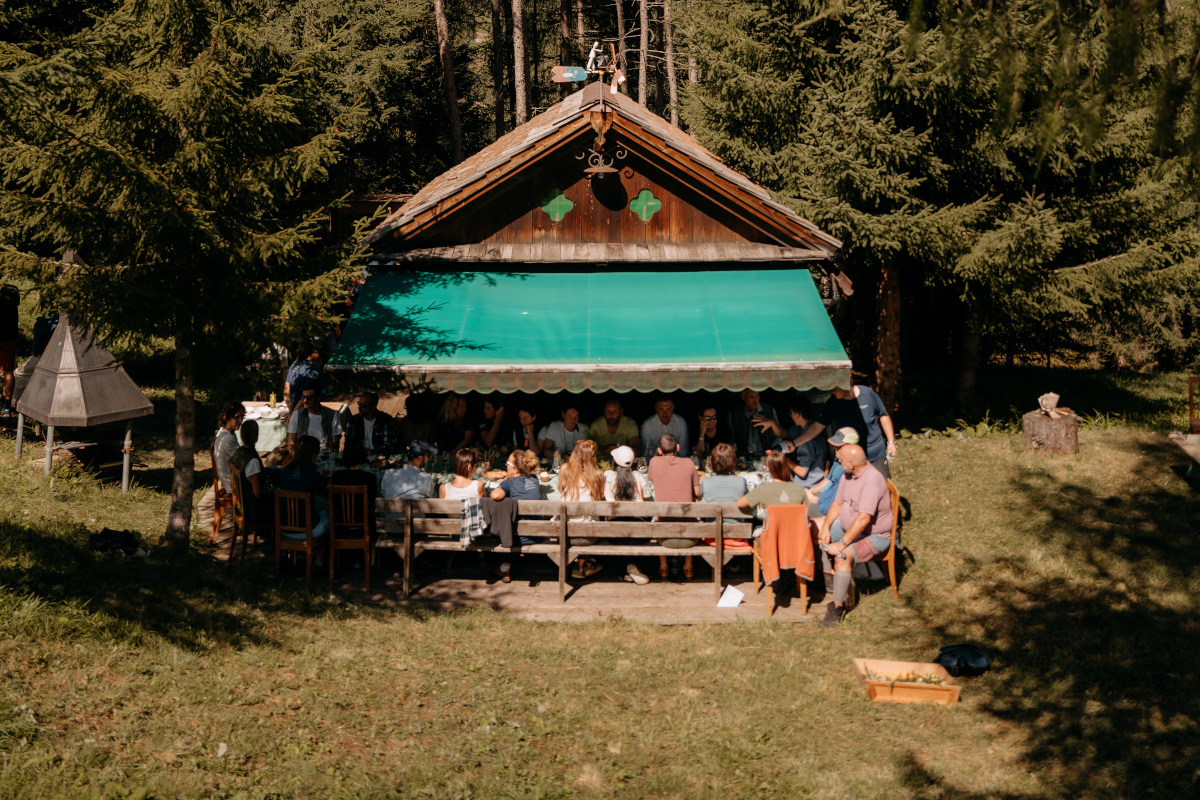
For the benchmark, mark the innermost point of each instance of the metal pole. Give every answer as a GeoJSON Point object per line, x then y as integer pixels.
{"type": "Point", "coordinates": [49, 446]}
{"type": "Point", "coordinates": [128, 451]}
{"type": "Point", "coordinates": [20, 433]}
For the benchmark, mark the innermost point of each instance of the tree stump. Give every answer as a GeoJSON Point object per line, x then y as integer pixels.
{"type": "Point", "coordinates": [1048, 435]}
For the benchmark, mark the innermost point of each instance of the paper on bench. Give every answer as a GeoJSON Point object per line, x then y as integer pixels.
{"type": "Point", "coordinates": [731, 598]}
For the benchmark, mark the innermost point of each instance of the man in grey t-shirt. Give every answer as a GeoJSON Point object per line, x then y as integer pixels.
{"type": "Point", "coordinates": [410, 482]}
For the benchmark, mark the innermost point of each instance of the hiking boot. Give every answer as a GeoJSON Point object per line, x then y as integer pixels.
{"type": "Point", "coordinates": [585, 569]}
{"type": "Point", "coordinates": [833, 616]}
{"type": "Point", "coordinates": [635, 575]}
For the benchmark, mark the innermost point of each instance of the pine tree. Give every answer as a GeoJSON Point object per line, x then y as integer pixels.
{"type": "Point", "coordinates": [380, 85]}
{"type": "Point", "coordinates": [808, 102]}
{"type": "Point", "coordinates": [887, 134]}
{"type": "Point", "coordinates": [171, 145]}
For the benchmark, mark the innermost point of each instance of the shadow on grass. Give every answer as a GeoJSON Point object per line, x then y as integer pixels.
{"type": "Point", "coordinates": [186, 598]}
{"type": "Point", "coordinates": [1096, 653]}
{"type": "Point", "coordinates": [159, 479]}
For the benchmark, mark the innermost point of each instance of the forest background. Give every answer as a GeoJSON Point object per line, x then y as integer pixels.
{"type": "Point", "coordinates": [1013, 182]}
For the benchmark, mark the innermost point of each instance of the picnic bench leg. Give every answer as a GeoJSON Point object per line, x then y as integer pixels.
{"type": "Point", "coordinates": [20, 433]}
{"type": "Point", "coordinates": [562, 553]}
{"type": "Point", "coordinates": [408, 548]}
{"type": "Point", "coordinates": [49, 446]}
{"type": "Point", "coordinates": [127, 462]}
{"type": "Point", "coordinates": [754, 560]}
{"type": "Point", "coordinates": [802, 586]}
{"type": "Point", "coordinates": [720, 554]}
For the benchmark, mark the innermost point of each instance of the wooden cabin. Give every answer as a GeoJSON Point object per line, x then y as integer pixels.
{"type": "Point", "coordinates": [596, 247]}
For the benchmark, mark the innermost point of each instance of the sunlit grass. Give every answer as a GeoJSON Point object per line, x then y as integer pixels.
{"type": "Point", "coordinates": [1077, 574]}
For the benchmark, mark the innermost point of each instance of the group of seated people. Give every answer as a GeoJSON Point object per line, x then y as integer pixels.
{"type": "Point", "coordinates": [846, 496]}
{"type": "Point", "coordinates": [751, 426]}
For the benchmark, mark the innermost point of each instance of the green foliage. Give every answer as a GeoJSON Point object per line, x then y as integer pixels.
{"type": "Point", "coordinates": [180, 153]}
{"type": "Point", "coordinates": [174, 169]}
{"type": "Point", "coordinates": [379, 84]}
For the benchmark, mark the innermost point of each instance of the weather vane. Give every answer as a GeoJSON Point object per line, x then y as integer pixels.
{"type": "Point", "coordinates": [598, 63]}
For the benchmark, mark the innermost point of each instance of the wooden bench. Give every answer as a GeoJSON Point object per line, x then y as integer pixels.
{"type": "Point", "coordinates": [403, 528]}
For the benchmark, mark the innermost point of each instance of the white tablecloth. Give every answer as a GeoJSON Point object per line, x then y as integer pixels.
{"type": "Point", "coordinates": [271, 432]}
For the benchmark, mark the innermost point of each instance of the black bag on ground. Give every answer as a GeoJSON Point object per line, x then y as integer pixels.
{"type": "Point", "coordinates": [964, 660]}
{"type": "Point", "coordinates": [108, 541]}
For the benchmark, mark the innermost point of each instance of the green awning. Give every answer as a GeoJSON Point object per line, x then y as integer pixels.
{"type": "Point", "coordinates": [579, 332]}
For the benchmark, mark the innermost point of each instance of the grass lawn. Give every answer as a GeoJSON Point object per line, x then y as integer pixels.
{"type": "Point", "coordinates": [177, 676]}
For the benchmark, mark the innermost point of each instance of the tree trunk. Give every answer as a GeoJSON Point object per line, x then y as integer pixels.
{"type": "Point", "coordinates": [520, 75]}
{"type": "Point", "coordinates": [179, 521]}
{"type": "Point", "coordinates": [621, 34]}
{"type": "Point", "coordinates": [581, 30]}
{"type": "Point", "coordinates": [510, 93]}
{"type": "Point", "coordinates": [643, 49]}
{"type": "Point", "coordinates": [887, 337]}
{"type": "Point", "coordinates": [1051, 435]}
{"type": "Point", "coordinates": [968, 367]}
{"type": "Point", "coordinates": [533, 50]}
{"type": "Point", "coordinates": [446, 56]}
{"type": "Point", "coordinates": [669, 46]}
{"type": "Point", "coordinates": [693, 64]}
{"type": "Point", "coordinates": [564, 45]}
{"type": "Point", "coordinates": [498, 66]}
{"type": "Point", "coordinates": [660, 93]}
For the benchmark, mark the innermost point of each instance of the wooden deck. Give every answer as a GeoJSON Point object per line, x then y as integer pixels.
{"type": "Point", "coordinates": [601, 597]}
{"type": "Point", "coordinates": [533, 593]}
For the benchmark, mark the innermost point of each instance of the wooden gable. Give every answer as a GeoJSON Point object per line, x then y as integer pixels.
{"type": "Point", "coordinates": [527, 197]}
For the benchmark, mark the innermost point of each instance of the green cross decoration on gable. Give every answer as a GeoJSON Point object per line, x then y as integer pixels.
{"type": "Point", "coordinates": [557, 205]}
{"type": "Point", "coordinates": [645, 204]}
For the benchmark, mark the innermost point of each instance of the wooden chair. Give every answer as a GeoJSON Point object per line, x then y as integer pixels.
{"type": "Point", "coordinates": [349, 526]}
{"type": "Point", "coordinates": [221, 498]}
{"type": "Point", "coordinates": [294, 514]}
{"type": "Point", "coordinates": [890, 558]}
{"type": "Point", "coordinates": [801, 583]}
{"type": "Point", "coordinates": [242, 525]}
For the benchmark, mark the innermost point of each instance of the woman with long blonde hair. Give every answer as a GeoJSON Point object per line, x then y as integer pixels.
{"type": "Point", "coordinates": [582, 480]}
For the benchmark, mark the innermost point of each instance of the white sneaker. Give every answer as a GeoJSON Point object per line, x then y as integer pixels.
{"type": "Point", "coordinates": [636, 575]}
